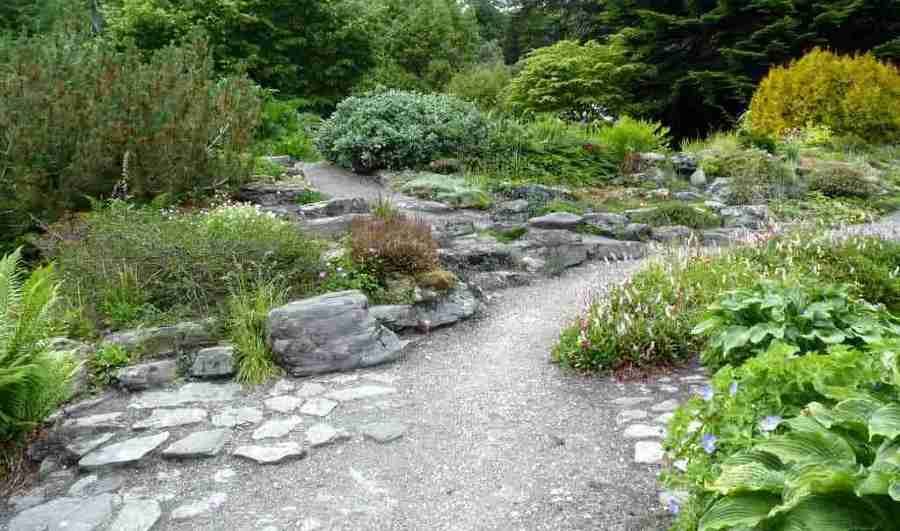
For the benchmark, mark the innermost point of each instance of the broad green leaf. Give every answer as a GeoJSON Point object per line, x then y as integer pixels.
{"type": "Point", "coordinates": [820, 478]}
{"type": "Point", "coordinates": [749, 477]}
{"type": "Point", "coordinates": [735, 511]}
{"type": "Point", "coordinates": [804, 423]}
{"type": "Point", "coordinates": [805, 446]}
{"type": "Point", "coordinates": [759, 332]}
{"type": "Point", "coordinates": [885, 422]}
{"type": "Point", "coordinates": [705, 326]}
{"type": "Point", "coordinates": [753, 456]}
{"type": "Point", "coordinates": [832, 513]}
{"type": "Point", "coordinates": [879, 480]}
{"type": "Point", "coordinates": [894, 491]}
{"type": "Point", "coordinates": [734, 337]}
{"type": "Point", "coordinates": [857, 409]}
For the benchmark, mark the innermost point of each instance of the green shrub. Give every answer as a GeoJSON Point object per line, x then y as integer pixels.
{"type": "Point", "coordinates": [558, 205]}
{"type": "Point", "coordinates": [648, 320]}
{"type": "Point", "coordinates": [33, 381]}
{"type": "Point", "coordinates": [283, 130]}
{"type": "Point", "coordinates": [855, 95]}
{"type": "Point", "coordinates": [184, 263]}
{"type": "Point", "coordinates": [307, 197]}
{"type": "Point", "coordinates": [677, 213]}
{"type": "Point", "coordinates": [248, 307]}
{"type": "Point", "coordinates": [745, 322]}
{"type": "Point", "coordinates": [106, 361]}
{"type": "Point", "coordinates": [91, 119]}
{"type": "Point", "coordinates": [832, 212]}
{"type": "Point", "coordinates": [628, 135]}
{"type": "Point", "coordinates": [396, 129]}
{"type": "Point", "coordinates": [842, 180]}
{"type": "Point", "coordinates": [571, 77]}
{"type": "Point", "coordinates": [483, 85]}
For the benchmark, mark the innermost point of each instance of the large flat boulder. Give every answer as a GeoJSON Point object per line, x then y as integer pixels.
{"type": "Point", "coordinates": [330, 333]}
{"type": "Point", "coordinates": [165, 340]}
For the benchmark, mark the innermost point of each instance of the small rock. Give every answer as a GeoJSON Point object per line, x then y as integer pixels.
{"type": "Point", "coordinates": [277, 428]}
{"type": "Point", "coordinates": [648, 452]}
{"type": "Point", "coordinates": [360, 393]}
{"type": "Point", "coordinates": [688, 197]}
{"type": "Point", "coordinates": [137, 515]}
{"type": "Point", "coordinates": [273, 454]}
{"type": "Point", "coordinates": [214, 362]}
{"type": "Point", "coordinates": [148, 375]}
{"type": "Point", "coordinates": [630, 415]}
{"type": "Point", "coordinates": [200, 507]}
{"type": "Point", "coordinates": [284, 404]}
{"type": "Point", "coordinates": [515, 206]}
{"type": "Point", "coordinates": [170, 418]}
{"type": "Point", "coordinates": [225, 475]}
{"type": "Point", "coordinates": [200, 444]}
{"type": "Point", "coordinates": [666, 406]}
{"type": "Point", "coordinates": [384, 432]}
{"type": "Point", "coordinates": [698, 178]}
{"type": "Point", "coordinates": [231, 417]}
{"type": "Point", "coordinates": [122, 453]}
{"type": "Point", "coordinates": [318, 407]}
{"type": "Point", "coordinates": [671, 234]}
{"type": "Point", "coordinates": [322, 434]}
{"type": "Point", "coordinates": [643, 431]}
{"type": "Point", "coordinates": [636, 232]}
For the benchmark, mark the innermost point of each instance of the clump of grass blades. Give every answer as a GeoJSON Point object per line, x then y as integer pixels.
{"type": "Point", "coordinates": [248, 307]}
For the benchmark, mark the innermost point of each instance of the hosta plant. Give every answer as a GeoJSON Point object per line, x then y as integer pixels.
{"type": "Point", "coordinates": [811, 317]}
{"type": "Point", "coordinates": [833, 467]}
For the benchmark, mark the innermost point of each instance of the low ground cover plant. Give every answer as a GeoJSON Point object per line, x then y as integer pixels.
{"type": "Point", "coordinates": [677, 213]}
{"type": "Point", "coordinates": [648, 320]}
{"type": "Point", "coordinates": [248, 307]}
{"type": "Point", "coordinates": [124, 263]}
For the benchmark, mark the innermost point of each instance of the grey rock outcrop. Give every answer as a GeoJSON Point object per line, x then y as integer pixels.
{"type": "Point", "coordinates": [747, 217]}
{"type": "Point", "coordinates": [332, 332]}
{"type": "Point", "coordinates": [557, 220]}
{"type": "Point", "coordinates": [214, 362]}
{"type": "Point", "coordinates": [335, 207]}
{"type": "Point", "coordinates": [147, 375]}
{"type": "Point", "coordinates": [165, 341]}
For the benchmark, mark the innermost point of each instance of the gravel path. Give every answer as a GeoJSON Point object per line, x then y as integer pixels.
{"type": "Point", "coordinates": [496, 437]}
{"type": "Point", "coordinates": [337, 182]}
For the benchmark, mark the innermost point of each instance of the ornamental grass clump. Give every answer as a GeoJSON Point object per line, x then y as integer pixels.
{"type": "Point", "coordinates": [394, 244]}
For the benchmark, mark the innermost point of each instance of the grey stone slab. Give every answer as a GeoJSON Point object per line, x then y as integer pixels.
{"type": "Point", "coordinates": [190, 393]}
{"type": "Point", "coordinates": [323, 434]}
{"type": "Point", "coordinates": [629, 401]}
{"type": "Point", "coordinates": [308, 390]}
{"type": "Point", "coordinates": [275, 428]}
{"type": "Point", "coordinates": [284, 404]}
{"type": "Point", "coordinates": [271, 454]}
{"type": "Point", "coordinates": [93, 485]}
{"type": "Point", "coordinates": [170, 418]}
{"type": "Point", "coordinates": [137, 515]}
{"type": "Point", "coordinates": [665, 406]}
{"type": "Point", "coordinates": [200, 507]}
{"type": "Point", "coordinates": [123, 453]}
{"type": "Point", "coordinates": [66, 514]}
{"type": "Point", "coordinates": [200, 444]}
{"type": "Point", "coordinates": [82, 446]}
{"type": "Point", "coordinates": [630, 415]}
{"type": "Point", "coordinates": [643, 431]}
{"type": "Point", "coordinates": [384, 432]}
{"type": "Point", "coordinates": [103, 422]}
{"type": "Point", "coordinates": [241, 416]}
{"type": "Point", "coordinates": [318, 407]}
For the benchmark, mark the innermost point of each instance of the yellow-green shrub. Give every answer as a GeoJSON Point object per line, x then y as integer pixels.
{"type": "Point", "coordinates": [852, 95]}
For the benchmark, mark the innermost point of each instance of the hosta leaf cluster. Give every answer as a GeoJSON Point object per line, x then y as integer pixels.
{"type": "Point", "coordinates": [745, 322]}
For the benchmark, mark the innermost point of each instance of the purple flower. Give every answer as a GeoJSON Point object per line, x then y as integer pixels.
{"type": "Point", "coordinates": [709, 443]}
{"type": "Point", "coordinates": [674, 508]}
{"type": "Point", "coordinates": [770, 423]}
{"type": "Point", "coordinates": [707, 393]}
{"type": "Point", "coordinates": [323, 274]}
{"type": "Point", "coordinates": [733, 388]}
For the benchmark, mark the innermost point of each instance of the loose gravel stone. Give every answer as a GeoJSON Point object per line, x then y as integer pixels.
{"type": "Point", "coordinates": [643, 431]}
{"type": "Point", "coordinates": [275, 428]}
{"type": "Point", "coordinates": [630, 415]}
{"type": "Point", "coordinates": [360, 393]}
{"type": "Point", "coordinates": [273, 454]}
{"type": "Point", "coordinates": [201, 444]}
{"type": "Point", "coordinates": [308, 390]}
{"type": "Point", "coordinates": [241, 416]}
{"type": "Point", "coordinates": [200, 507]}
{"type": "Point", "coordinates": [187, 394]}
{"type": "Point", "coordinates": [137, 515]}
{"type": "Point", "coordinates": [323, 434]}
{"type": "Point", "coordinates": [384, 432]}
{"type": "Point", "coordinates": [666, 406]}
{"type": "Point", "coordinates": [66, 513]}
{"type": "Point", "coordinates": [648, 452]}
{"type": "Point", "coordinates": [170, 418]}
{"type": "Point", "coordinates": [318, 407]}
{"type": "Point", "coordinates": [284, 404]}
{"type": "Point", "coordinates": [224, 476]}
{"type": "Point", "coordinates": [122, 453]}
